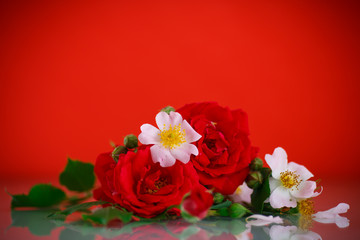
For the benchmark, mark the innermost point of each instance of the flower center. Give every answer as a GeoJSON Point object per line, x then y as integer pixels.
{"type": "Point", "coordinates": [162, 182]}
{"type": "Point", "coordinates": [238, 191]}
{"type": "Point", "coordinates": [173, 137]}
{"type": "Point", "coordinates": [289, 179]}
{"type": "Point", "coordinates": [306, 207]}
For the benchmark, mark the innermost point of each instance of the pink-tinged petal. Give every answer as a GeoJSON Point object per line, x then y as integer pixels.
{"type": "Point", "coordinates": [262, 220]}
{"type": "Point", "coordinates": [274, 183]}
{"type": "Point", "coordinates": [281, 197]}
{"type": "Point", "coordinates": [306, 236]}
{"type": "Point", "coordinates": [180, 155]}
{"type": "Point", "coordinates": [342, 222]}
{"type": "Point", "coordinates": [279, 232]}
{"type": "Point", "coordinates": [149, 134]}
{"type": "Point", "coordinates": [304, 173]}
{"type": "Point", "coordinates": [304, 190]}
{"type": "Point", "coordinates": [277, 161]}
{"type": "Point", "coordinates": [162, 155]}
{"type": "Point", "coordinates": [332, 212]}
{"type": "Point", "coordinates": [175, 118]}
{"type": "Point", "coordinates": [190, 134]}
{"type": "Point", "coordinates": [184, 152]}
{"type": "Point", "coordinates": [162, 120]}
{"type": "Point", "coordinates": [317, 193]}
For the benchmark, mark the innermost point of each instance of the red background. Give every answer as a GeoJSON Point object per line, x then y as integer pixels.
{"type": "Point", "coordinates": [74, 75]}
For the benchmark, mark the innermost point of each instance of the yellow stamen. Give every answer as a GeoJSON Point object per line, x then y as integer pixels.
{"type": "Point", "coordinates": [289, 179]}
{"type": "Point", "coordinates": [173, 137]}
{"type": "Point", "coordinates": [238, 191]}
{"type": "Point", "coordinates": [306, 207]}
{"type": "Point", "coordinates": [162, 182]}
{"type": "Point", "coordinates": [305, 222]}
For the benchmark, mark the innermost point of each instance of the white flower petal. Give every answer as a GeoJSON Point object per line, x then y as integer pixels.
{"type": "Point", "coordinates": [242, 194]}
{"type": "Point", "coordinates": [340, 208]}
{"type": "Point", "coordinates": [304, 173]}
{"type": "Point", "coordinates": [304, 190]}
{"type": "Point", "coordinates": [332, 212]}
{"type": "Point", "coordinates": [342, 222]}
{"type": "Point", "coordinates": [190, 134]}
{"type": "Point", "coordinates": [175, 118]}
{"type": "Point", "coordinates": [274, 183]}
{"type": "Point", "coordinates": [278, 232]}
{"type": "Point", "coordinates": [318, 193]}
{"type": "Point", "coordinates": [280, 197]}
{"type": "Point", "coordinates": [184, 152]}
{"type": "Point", "coordinates": [162, 155]}
{"type": "Point", "coordinates": [277, 161]}
{"type": "Point", "coordinates": [162, 120]}
{"type": "Point", "coordinates": [306, 236]}
{"type": "Point", "coordinates": [149, 134]}
{"type": "Point", "coordinates": [262, 220]}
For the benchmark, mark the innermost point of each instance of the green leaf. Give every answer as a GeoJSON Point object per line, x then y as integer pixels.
{"type": "Point", "coordinates": [105, 215]}
{"type": "Point", "coordinates": [261, 193]}
{"type": "Point", "coordinates": [225, 204]}
{"type": "Point", "coordinates": [78, 176]}
{"type": "Point", "coordinates": [20, 200]}
{"type": "Point", "coordinates": [40, 195]}
{"type": "Point", "coordinates": [75, 208]}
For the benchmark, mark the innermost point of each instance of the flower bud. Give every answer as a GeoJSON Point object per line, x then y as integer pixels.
{"type": "Point", "coordinates": [218, 198]}
{"type": "Point", "coordinates": [236, 210]}
{"type": "Point", "coordinates": [131, 141]}
{"type": "Point", "coordinates": [256, 164]}
{"type": "Point", "coordinates": [195, 205]}
{"type": "Point", "coordinates": [224, 212]}
{"type": "Point", "coordinates": [168, 109]}
{"type": "Point", "coordinates": [117, 151]}
{"type": "Point", "coordinates": [254, 179]}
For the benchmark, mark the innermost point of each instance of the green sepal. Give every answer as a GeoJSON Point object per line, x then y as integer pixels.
{"type": "Point", "coordinates": [105, 215]}
{"type": "Point", "coordinates": [168, 109]}
{"type": "Point", "coordinates": [225, 204]}
{"type": "Point", "coordinates": [224, 212]}
{"type": "Point", "coordinates": [78, 176]}
{"type": "Point", "coordinates": [40, 195]}
{"type": "Point", "coordinates": [261, 193]}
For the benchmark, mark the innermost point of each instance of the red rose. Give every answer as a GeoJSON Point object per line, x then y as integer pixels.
{"type": "Point", "coordinates": [224, 149]}
{"type": "Point", "coordinates": [197, 203]}
{"type": "Point", "coordinates": [142, 186]}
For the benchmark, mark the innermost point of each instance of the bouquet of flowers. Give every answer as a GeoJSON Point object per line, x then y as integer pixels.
{"type": "Point", "coordinates": [196, 163]}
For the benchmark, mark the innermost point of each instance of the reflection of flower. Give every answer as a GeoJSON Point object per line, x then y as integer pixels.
{"type": "Point", "coordinates": [242, 194]}
{"type": "Point", "coordinates": [246, 235]}
{"type": "Point", "coordinates": [262, 220]}
{"type": "Point", "coordinates": [289, 181]}
{"type": "Point", "coordinates": [332, 215]}
{"type": "Point", "coordinates": [172, 141]}
{"type": "Point", "coordinates": [278, 232]}
{"type": "Point", "coordinates": [197, 203]}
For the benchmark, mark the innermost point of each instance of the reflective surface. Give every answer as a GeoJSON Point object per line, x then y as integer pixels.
{"type": "Point", "coordinates": [33, 224]}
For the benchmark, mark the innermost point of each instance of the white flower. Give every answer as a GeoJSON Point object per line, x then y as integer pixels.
{"type": "Point", "coordinates": [332, 215]}
{"type": "Point", "coordinates": [278, 232]}
{"type": "Point", "coordinates": [172, 141]}
{"type": "Point", "coordinates": [262, 220]}
{"type": "Point", "coordinates": [245, 235]}
{"type": "Point", "coordinates": [289, 181]}
{"type": "Point", "coordinates": [242, 194]}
